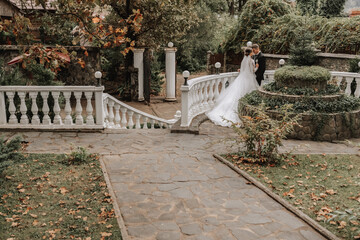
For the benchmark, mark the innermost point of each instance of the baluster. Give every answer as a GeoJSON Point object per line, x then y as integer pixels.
{"type": "Point", "coordinates": [206, 97]}
{"type": "Point", "coordinates": [191, 100]}
{"type": "Point", "coordinates": [79, 119]}
{"type": "Point", "coordinates": [123, 119]}
{"type": "Point", "coordinates": [201, 97]}
{"type": "Point", "coordinates": [23, 109]}
{"type": "Point", "coordinates": [131, 123]}
{"type": "Point", "coordinates": [145, 122]}
{"type": "Point", "coordinates": [271, 78]}
{"type": "Point", "coordinates": [45, 108]}
{"type": "Point", "coordinates": [357, 91]}
{"type": "Point", "coordinates": [137, 121]}
{"type": "Point", "coordinates": [223, 83]}
{"type": "Point", "coordinates": [211, 94]}
{"type": "Point", "coordinates": [216, 94]}
{"type": "Point", "coordinates": [338, 80]}
{"type": "Point", "coordinates": [348, 85]}
{"type": "Point", "coordinates": [161, 125]}
{"type": "Point", "coordinates": [111, 113]}
{"type": "Point", "coordinates": [152, 123]}
{"type": "Point", "coordinates": [117, 116]}
{"type": "Point", "coordinates": [68, 119]}
{"type": "Point", "coordinates": [57, 118]}
{"type": "Point", "coordinates": [34, 109]}
{"type": "Point", "coordinates": [195, 100]}
{"type": "Point", "coordinates": [106, 113]}
{"type": "Point", "coordinates": [12, 109]}
{"type": "Point", "coordinates": [89, 109]}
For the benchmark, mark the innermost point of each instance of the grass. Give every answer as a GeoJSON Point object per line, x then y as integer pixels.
{"type": "Point", "coordinates": [325, 187]}
{"type": "Point", "coordinates": [49, 197]}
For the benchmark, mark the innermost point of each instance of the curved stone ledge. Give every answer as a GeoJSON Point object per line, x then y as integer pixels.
{"type": "Point", "coordinates": [295, 98]}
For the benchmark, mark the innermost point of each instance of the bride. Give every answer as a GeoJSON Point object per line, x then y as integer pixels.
{"type": "Point", "coordinates": [226, 107]}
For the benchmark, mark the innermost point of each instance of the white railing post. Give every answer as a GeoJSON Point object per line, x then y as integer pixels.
{"type": "Point", "coordinates": [68, 119]}
{"type": "Point", "coordinates": [99, 107]}
{"type": "Point", "coordinates": [170, 75]}
{"type": "Point", "coordinates": [348, 85]}
{"type": "Point", "coordinates": [23, 109]}
{"type": "Point", "coordinates": [34, 108]}
{"type": "Point", "coordinates": [12, 109]}
{"type": "Point", "coordinates": [2, 108]}
{"type": "Point", "coordinates": [46, 119]}
{"type": "Point", "coordinates": [184, 105]}
{"type": "Point", "coordinates": [139, 64]}
{"type": "Point", "coordinates": [357, 91]}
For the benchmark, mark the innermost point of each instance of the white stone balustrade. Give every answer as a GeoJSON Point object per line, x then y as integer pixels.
{"type": "Point", "coordinates": [20, 101]}
{"type": "Point", "coordinates": [119, 115]}
{"type": "Point", "coordinates": [200, 95]}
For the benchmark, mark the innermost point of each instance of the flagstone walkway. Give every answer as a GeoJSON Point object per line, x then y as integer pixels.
{"type": "Point", "coordinates": [169, 187]}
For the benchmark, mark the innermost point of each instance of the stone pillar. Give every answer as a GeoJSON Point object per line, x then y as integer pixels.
{"type": "Point", "coordinates": [170, 74]}
{"type": "Point", "coordinates": [2, 108]}
{"type": "Point", "coordinates": [139, 63]}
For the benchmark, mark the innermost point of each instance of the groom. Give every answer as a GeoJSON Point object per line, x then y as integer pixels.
{"type": "Point", "coordinates": [260, 63]}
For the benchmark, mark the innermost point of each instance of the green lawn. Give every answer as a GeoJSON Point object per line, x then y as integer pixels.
{"type": "Point", "coordinates": [45, 198]}
{"type": "Point", "coordinates": [325, 187]}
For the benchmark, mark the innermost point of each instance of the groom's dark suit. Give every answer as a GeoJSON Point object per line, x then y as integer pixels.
{"type": "Point", "coordinates": [260, 59]}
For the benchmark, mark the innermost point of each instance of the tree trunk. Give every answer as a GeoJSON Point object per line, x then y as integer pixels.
{"type": "Point", "coordinates": [129, 58]}
{"type": "Point", "coordinates": [147, 74]}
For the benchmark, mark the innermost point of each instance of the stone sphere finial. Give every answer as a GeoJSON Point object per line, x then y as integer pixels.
{"type": "Point", "coordinates": [170, 44]}
{"type": "Point", "coordinates": [281, 62]}
{"type": "Point", "coordinates": [249, 44]}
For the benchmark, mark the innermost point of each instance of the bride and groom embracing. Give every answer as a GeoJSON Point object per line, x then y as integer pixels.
{"type": "Point", "coordinates": [251, 74]}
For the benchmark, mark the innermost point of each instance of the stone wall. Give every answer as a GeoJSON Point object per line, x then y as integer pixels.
{"type": "Point", "coordinates": [74, 74]}
{"type": "Point", "coordinates": [328, 127]}
{"type": "Point", "coordinates": [331, 61]}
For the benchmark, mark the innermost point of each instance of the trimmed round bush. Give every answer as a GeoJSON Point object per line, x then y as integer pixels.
{"type": "Point", "coordinates": [314, 77]}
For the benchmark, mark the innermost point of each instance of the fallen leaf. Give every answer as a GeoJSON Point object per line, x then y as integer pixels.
{"type": "Point", "coordinates": [15, 224]}
{"type": "Point", "coordinates": [105, 234]}
{"type": "Point", "coordinates": [63, 190]}
{"type": "Point", "coordinates": [342, 224]}
{"type": "Point", "coordinates": [353, 222]}
{"type": "Point", "coordinates": [33, 215]}
{"type": "Point", "coordinates": [35, 222]}
{"type": "Point", "coordinates": [330, 192]}
{"type": "Point", "coordinates": [109, 226]}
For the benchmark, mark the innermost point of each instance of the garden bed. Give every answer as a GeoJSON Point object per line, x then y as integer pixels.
{"type": "Point", "coordinates": [44, 197]}
{"type": "Point", "coordinates": [325, 187]}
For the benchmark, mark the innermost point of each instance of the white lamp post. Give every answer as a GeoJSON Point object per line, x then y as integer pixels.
{"type": "Point", "coordinates": [217, 66]}
{"type": "Point", "coordinates": [186, 75]}
{"type": "Point", "coordinates": [98, 76]}
{"type": "Point", "coordinates": [281, 62]}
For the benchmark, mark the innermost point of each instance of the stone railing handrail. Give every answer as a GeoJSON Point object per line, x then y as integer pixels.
{"type": "Point", "coordinates": [56, 115]}
{"type": "Point", "coordinates": [120, 115]}
{"type": "Point", "coordinates": [201, 93]}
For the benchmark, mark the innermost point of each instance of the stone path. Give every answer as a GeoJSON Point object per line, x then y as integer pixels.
{"type": "Point", "coordinates": [169, 187]}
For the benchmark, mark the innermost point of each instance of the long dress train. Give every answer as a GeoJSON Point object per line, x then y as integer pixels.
{"type": "Point", "coordinates": [225, 110]}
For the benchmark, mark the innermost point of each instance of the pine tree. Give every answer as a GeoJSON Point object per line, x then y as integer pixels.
{"type": "Point", "coordinates": [331, 8]}
{"type": "Point", "coordinates": [302, 53]}
{"type": "Point", "coordinates": [308, 7]}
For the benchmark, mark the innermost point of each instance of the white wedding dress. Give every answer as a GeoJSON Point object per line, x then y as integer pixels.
{"type": "Point", "coordinates": [225, 110]}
